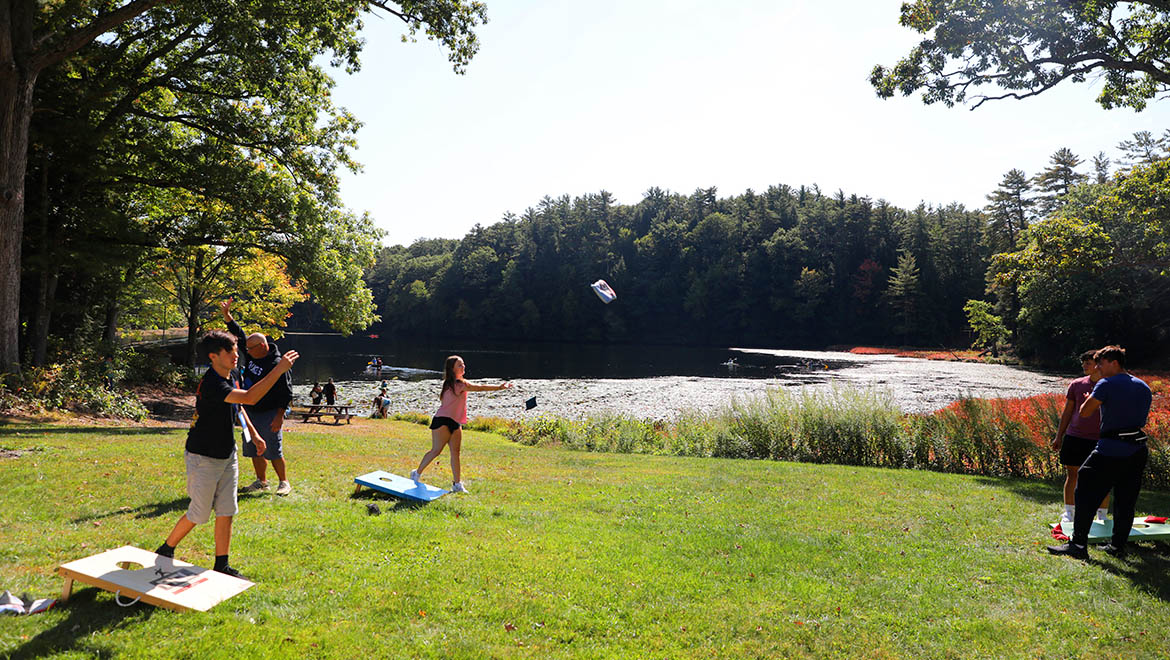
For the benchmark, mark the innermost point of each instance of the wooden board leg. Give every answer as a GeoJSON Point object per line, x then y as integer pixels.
{"type": "Point", "coordinates": [67, 590]}
{"type": "Point", "coordinates": [358, 489]}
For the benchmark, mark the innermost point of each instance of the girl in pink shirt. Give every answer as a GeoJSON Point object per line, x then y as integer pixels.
{"type": "Point", "coordinates": [447, 424]}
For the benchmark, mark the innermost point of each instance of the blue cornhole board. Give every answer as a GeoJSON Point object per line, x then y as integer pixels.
{"type": "Point", "coordinates": [392, 484]}
{"type": "Point", "coordinates": [1142, 531]}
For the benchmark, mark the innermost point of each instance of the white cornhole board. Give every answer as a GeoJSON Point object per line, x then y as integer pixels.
{"type": "Point", "coordinates": [392, 484]}
{"type": "Point", "coordinates": [1142, 531]}
{"type": "Point", "coordinates": [162, 581]}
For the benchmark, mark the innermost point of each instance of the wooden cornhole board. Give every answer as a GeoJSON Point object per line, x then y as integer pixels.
{"type": "Point", "coordinates": [162, 581]}
{"type": "Point", "coordinates": [392, 484]}
{"type": "Point", "coordinates": [1142, 531]}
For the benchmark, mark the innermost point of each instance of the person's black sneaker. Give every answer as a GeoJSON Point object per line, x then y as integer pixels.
{"type": "Point", "coordinates": [228, 570]}
{"type": "Point", "coordinates": [1114, 551]}
{"type": "Point", "coordinates": [1070, 549]}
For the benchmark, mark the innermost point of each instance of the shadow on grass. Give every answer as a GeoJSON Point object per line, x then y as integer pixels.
{"type": "Point", "coordinates": [152, 510]}
{"type": "Point", "coordinates": [1146, 566]}
{"type": "Point", "coordinates": [396, 504]}
{"type": "Point", "coordinates": [1150, 502]}
{"type": "Point", "coordinates": [104, 430]}
{"type": "Point", "coordinates": [1044, 492]}
{"type": "Point", "coordinates": [75, 633]}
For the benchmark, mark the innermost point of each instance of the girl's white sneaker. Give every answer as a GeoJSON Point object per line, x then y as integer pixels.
{"type": "Point", "coordinates": [458, 487]}
{"type": "Point", "coordinates": [414, 476]}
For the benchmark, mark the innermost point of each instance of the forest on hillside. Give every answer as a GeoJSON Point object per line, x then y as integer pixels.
{"type": "Point", "coordinates": [798, 267]}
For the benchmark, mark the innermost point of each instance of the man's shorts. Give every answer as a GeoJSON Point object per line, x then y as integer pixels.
{"type": "Point", "coordinates": [1074, 450]}
{"type": "Point", "coordinates": [211, 484]}
{"type": "Point", "coordinates": [262, 420]}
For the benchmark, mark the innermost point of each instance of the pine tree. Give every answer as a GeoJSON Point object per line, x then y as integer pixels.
{"type": "Point", "coordinates": [903, 292]}
{"type": "Point", "coordinates": [1101, 167]}
{"type": "Point", "coordinates": [1144, 149]}
{"type": "Point", "coordinates": [1057, 179]}
{"type": "Point", "coordinates": [1009, 209]}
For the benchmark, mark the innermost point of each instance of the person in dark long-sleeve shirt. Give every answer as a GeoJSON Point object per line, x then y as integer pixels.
{"type": "Point", "coordinates": [260, 356]}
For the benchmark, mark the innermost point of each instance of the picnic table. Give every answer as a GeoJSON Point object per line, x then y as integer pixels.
{"type": "Point", "coordinates": [318, 410]}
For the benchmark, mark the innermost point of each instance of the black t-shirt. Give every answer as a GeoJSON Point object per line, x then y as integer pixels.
{"type": "Point", "coordinates": [212, 431]}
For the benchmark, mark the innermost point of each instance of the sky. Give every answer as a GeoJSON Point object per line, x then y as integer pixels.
{"type": "Point", "coordinates": [568, 97]}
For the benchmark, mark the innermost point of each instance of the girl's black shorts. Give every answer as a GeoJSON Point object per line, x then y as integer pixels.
{"type": "Point", "coordinates": [451, 424]}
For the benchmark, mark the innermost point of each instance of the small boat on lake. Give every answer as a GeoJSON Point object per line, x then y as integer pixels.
{"type": "Point", "coordinates": [403, 373]}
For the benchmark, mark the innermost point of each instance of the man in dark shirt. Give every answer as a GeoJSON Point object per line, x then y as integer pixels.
{"type": "Point", "coordinates": [210, 455]}
{"type": "Point", "coordinates": [330, 392]}
{"type": "Point", "coordinates": [1118, 461]}
{"type": "Point", "coordinates": [261, 356]}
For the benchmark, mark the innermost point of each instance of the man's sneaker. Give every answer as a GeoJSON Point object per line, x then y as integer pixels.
{"type": "Point", "coordinates": [228, 570]}
{"type": "Point", "coordinates": [255, 486]}
{"type": "Point", "coordinates": [414, 476]}
{"type": "Point", "coordinates": [1071, 549]}
{"type": "Point", "coordinates": [284, 488]}
{"type": "Point", "coordinates": [1114, 551]}
{"type": "Point", "coordinates": [458, 487]}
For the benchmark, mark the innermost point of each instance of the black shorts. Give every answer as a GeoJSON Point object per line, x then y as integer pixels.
{"type": "Point", "coordinates": [1074, 450]}
{"type": "Point", "coordinates": [436, 422]}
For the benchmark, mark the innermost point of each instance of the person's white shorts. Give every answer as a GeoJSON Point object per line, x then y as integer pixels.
{"type": "Point", "coordinates": [211, 484]}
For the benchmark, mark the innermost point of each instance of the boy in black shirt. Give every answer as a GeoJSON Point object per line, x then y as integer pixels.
{"type": "Point", "coordinates": [212, 470]}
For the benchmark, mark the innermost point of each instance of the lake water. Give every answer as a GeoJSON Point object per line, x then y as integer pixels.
{"type": "Point", "coordinates": [644, 381]}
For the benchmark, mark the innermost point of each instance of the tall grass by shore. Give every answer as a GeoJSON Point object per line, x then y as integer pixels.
{"type": "Point", "coordinates": [847, 426]}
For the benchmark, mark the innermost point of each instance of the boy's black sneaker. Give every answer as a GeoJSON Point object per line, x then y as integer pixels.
{"type": "Point", "coordinates": [1114, 551]}
{"type": "Point", "coordinates": [1071, 549]}
{"type": "Point", "coordinates": [228, 570]}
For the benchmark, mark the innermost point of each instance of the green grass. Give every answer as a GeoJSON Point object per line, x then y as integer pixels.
{"type": "Point", "coordinates": [558, 553]}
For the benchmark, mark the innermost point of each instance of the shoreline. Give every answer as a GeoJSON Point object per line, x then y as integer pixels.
{"type": "Point", "coordinates": [914, 385]}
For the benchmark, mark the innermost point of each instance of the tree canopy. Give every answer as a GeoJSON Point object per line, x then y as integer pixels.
{"type": "Point", "coordinates": [1026, 47]}
{"type": "Point", "coordinates": [169, 125]}
{"type": "Point", "coordinates": [782, 267]}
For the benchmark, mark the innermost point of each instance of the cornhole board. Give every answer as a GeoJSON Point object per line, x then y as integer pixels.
{"type": "Point", "coordinates": [161, 581]}
{"type": "Point", "coordinates": [392, 484]}
{"type": "Point", "coordinates": [1142, 531]}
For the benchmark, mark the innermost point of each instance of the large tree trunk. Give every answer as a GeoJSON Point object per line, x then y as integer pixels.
{"type": "Point", "coordinates": [16, 96]}
{"type": "Point", "coordinates": [20, 63]}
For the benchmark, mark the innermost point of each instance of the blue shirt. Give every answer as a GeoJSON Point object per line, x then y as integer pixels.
{"type": "Point", "coordinates": [1125, 405]}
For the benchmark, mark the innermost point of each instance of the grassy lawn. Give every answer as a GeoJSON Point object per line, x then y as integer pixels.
{"type": "Point", "coordinates": [568, 554]}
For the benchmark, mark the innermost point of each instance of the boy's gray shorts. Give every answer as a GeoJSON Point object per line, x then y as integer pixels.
{"type": "Point", "coordinates": [262, 420]}
{"type": "Point", "coordinates": [211, 484]}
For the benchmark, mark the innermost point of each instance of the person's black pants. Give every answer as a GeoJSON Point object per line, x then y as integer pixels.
{"type": "Point", "coordinates": [1097, 476]}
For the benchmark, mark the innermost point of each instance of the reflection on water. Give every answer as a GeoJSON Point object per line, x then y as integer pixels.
{"type": "Point", "coordinates": [346, 358]}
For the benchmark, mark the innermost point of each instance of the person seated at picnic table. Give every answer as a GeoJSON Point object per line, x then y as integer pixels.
{"type": "Point", "coordinates": [316, 393]}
